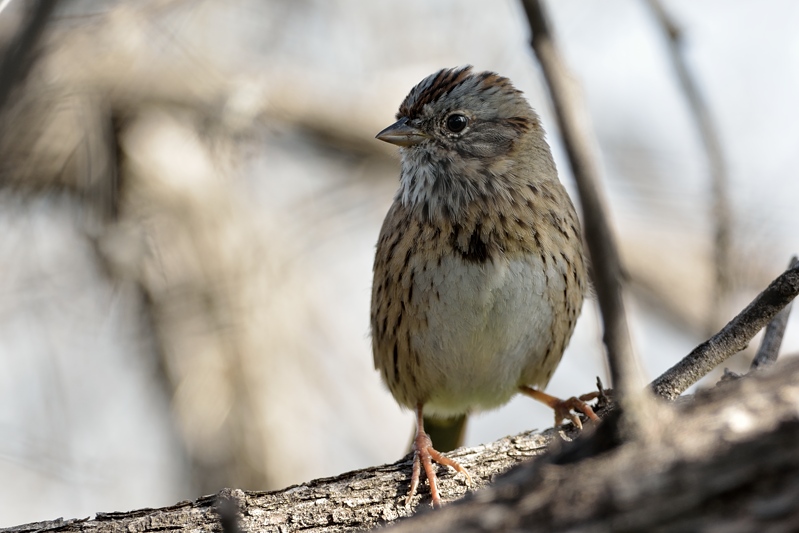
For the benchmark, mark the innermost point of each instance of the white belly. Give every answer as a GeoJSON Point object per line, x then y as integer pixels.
{"type": "Point", "coordinates": [489, 328]}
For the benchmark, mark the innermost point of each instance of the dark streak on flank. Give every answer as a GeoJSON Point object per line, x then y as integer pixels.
{"type": "Point", "coordinates": [396, 365]}
{"type": "Point", "coordinates": [408, 365]}
{"type": "Point", "coordinates": [537, 239]}
{"type": "Point", "coordinates": [393, 247]}
{"type": "Point", "coordinates": [407, 258]}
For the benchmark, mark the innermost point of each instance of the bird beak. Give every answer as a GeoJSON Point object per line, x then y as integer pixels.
{"type": "Point", "coordinates": [401, 134]}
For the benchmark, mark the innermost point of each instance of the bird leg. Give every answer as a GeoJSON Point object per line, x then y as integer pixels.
{"type": "Point", "coordinates": [563, 408]}
{"type": "Point", "coordinates": [423, 456]}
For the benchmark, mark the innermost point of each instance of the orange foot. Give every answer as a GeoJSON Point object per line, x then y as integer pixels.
{"type": "Point", "coordinates": [423, 456]}
{"type": "Point", "coordinates": [563, 408]}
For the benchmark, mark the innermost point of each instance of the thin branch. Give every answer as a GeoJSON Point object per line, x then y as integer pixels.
{"type": "Point", "coordinates": [20, 56]}
{"type": "Point", "coordinates": [721, 211]}
{"type": "Point", "coordinates": [772, 338]}
{"type": "Point", "coordinates": [733, 338]}
{"type": "Point", "coordinates": [605, 262]}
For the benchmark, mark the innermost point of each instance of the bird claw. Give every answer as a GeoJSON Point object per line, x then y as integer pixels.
{"type": "Point", "coordinates": [563, 408]}
{"type": "Point", "coordinates": [423, 457]}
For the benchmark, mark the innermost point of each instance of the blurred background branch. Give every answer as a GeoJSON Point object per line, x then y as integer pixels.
{"type": "Point", "coordinates": [20, 52]}
{"type": "Point", "coordinates": [721, 212]}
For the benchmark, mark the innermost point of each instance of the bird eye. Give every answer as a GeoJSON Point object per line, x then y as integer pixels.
{"type": "Point", "coordinates": [456, 123]}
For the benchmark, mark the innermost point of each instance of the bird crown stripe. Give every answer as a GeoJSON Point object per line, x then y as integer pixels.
{"type": "Point", "coordinates": [432, 88]}
{"type": "Point", "coordinates": [443, 82]}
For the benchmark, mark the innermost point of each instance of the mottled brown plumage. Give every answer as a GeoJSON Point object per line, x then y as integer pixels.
{"type": "Point", "coordinates": [479, 274]}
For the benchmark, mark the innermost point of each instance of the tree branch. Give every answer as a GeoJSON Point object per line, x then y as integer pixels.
{"type": "Point", "coordinates": [772, 338]}
{"type": "Point", "coordinates": [605, 262]}
{"type": "Point", "coordinates": [355, 500]}
{"type": "Point", "coordinates": [573, 123]}
{"type": "Point", "coordinates": [733, 338]}
{"type": "Point", "coordinates": [732, 465]}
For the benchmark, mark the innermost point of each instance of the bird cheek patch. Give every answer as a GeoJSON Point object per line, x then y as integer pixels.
{"type": "Point", "coordinates": [488, 140]}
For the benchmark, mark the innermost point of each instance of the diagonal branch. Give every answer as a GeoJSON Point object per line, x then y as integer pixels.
{"type": "Point", "coordinates": [772, 338]}
{"type": "Point", "coordinates": [733, 338]}
{"type": "Point", "coordinates": [605, 263]}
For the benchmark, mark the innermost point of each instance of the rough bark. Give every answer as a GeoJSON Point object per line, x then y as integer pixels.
{"type": "Point", "coordinates": [726, 460]}
{"type": "Point", "coordinates": [356, 500]}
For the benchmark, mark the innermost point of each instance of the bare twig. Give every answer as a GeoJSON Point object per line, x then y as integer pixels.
{"type": "Point", "coordinates": [731, 339]}
{"type": "Point", "coordinates": [721, 211]}
{"type": "Point", "coordinates": [19, 58]}
{"type": "Point", "coordinates": [772, 338]}
{"type": "Point", "coordinates": [606, 265]}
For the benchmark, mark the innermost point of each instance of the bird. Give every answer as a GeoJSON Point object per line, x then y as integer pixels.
{"type": "Point", "coordinates": [479, 274]}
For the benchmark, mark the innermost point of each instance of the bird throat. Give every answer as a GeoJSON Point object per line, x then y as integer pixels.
{"type": "Point", "coordinates": [433, 189]}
